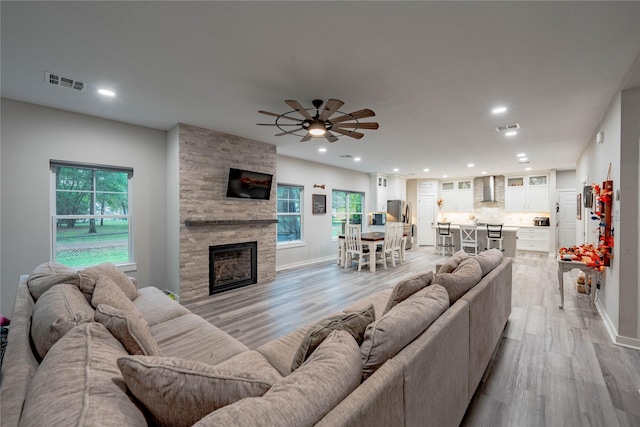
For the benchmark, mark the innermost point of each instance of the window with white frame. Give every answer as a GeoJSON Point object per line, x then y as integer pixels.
{"type": "Point", "coordinates": [346, 208]}
{"type": "Point", "coordinates": [289, 213]}
{"type": "Point", "coordinates": [91, 214]}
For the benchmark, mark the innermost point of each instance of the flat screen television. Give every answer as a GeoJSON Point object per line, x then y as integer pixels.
{"type": "Point", "coordinates": [245, 184]}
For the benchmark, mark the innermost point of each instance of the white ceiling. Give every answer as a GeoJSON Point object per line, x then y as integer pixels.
{"type": "Point", "coordinates": [431, 71]}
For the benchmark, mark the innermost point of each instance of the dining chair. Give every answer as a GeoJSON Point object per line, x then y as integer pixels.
{"type": "Point", "coordinates": [390, 245]}
{"type": "Point", "coordinates": [445, 238]}
{"type": "Point", "coordinates": [354, 251]}
{"type": "Point", "coordinates": [397, 242]}
{"type": "Point", "coordinates": [469, 239]}
{"type": "Point", "coordinates": [494, 234]}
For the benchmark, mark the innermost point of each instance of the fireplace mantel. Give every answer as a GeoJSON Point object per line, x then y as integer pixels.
{"type": "Point", "coordinates": [216, 222]}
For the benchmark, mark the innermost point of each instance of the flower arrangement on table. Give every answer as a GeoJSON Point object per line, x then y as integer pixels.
{"type": "Point", "coordinates": [588, 253]}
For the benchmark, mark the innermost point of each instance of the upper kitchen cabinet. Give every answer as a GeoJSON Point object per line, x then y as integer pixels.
{"type": "Point", "coordinates": [457, 196]}
{"type": "Point", "coordinates": [397, 188]}
{"type": "Point", "coordinates": [527, 193]}
{"type": "Point", "coordinates": [379, 186]}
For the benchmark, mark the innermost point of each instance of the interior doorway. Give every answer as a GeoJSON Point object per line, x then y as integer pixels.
{"type": "Point", "coordinates": [566, 218]}
{"type": "Point", "coordinates": [426, 219]}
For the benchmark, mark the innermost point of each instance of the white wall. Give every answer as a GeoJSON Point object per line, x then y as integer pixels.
{"type": "Point", "coordinates": [32, 135]}
{"type": "Point", "coordinates": [318, 244]}
{"type": "Point", "coordinates": [566, 180]}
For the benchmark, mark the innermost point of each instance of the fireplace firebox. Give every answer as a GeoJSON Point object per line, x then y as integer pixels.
{"type": "Point", "coordinates": [232, 266]}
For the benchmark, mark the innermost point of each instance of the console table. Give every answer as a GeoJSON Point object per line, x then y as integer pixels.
{"type": "Point", "coordinates": [564, 266]}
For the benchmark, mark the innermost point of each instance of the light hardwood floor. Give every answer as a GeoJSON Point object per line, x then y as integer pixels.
{"type": "Point", "coordinates": [552, 367]}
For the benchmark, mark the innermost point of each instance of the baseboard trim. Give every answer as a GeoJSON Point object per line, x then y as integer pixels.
{"type": "Point", "coordinates": [306, 263]}
{"type": "Point", "coordinates": [633, 343]}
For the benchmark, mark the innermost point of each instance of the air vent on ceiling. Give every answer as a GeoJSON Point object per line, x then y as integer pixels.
{"type": "Point", "coordinates": [505, 128]}
{"type": "Point", "coordinates": [58, 80]}
{"type": "Point", "coordinates": [347, 156]}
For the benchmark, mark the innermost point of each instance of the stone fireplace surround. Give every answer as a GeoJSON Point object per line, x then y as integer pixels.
{"type": "Point", "coordinates": [208, 217]}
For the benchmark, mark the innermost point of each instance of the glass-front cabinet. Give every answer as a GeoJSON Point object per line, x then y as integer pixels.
{"type": "Point", "coordinates": [527, 193]}
{"type": "Point", "coordinates": [457, 196]}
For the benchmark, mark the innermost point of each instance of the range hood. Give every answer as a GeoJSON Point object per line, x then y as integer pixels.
{"type": "Point", "coordinates": [488, 188]}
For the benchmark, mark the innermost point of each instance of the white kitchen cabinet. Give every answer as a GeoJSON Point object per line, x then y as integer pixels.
{"type": "Point", "coordinates": [527, 193]}
{"type": "Point", "coordinates": [378, 188]}
{"type": "Point", "coordinates": [457, 196]}
{"type": "Point", "coordinates": [533, 239]}
{"type": "Point", "coordinates": [397, 188]}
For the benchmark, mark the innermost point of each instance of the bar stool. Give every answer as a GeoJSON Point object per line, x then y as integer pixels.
{"type": "Point", "coordinates": [445, 238]}
{"type": "Point", "coordinates": [494, 234]}
{"type": "Point", "coordinates": [469, 239]}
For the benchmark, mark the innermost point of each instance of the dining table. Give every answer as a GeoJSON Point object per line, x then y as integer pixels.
{"type": "Point", "coordinates": [371, 239]}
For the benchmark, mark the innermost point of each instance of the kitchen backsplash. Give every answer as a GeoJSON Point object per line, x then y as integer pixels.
{"type": "Point", "coordinates": [491, 216]}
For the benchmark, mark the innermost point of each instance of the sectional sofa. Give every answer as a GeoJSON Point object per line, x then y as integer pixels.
{"type": "Point", "coordinates": [90, 348]}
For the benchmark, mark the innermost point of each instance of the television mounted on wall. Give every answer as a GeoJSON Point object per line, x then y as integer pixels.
{"type": "Point", "coordinates": [245, 184]}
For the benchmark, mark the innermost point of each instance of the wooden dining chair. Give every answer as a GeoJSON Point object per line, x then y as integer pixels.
{"type": "Point", "coordinates": [354, 251]}
{"type": "Point", "coordinates": [397, 243]}
{"type": "Point", "coordinates": [386, 250]}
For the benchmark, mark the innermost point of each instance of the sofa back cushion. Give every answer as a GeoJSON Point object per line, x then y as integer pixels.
{"type": "Point", "coordinates": [452, 263]}
{"type": "Point", "coordinates": [49, 274]}
{"type": "Point", "coordinates": [406, 288]}
{"type": "Point", "coordinates": [385, 337]}
{"type": "Point", "coordinates": [178, 392]}
{"type": "Point", "coordinates": [112, 272]}
{"type": "Point", "coordinates": [57, 311]}
{"type": "Point", "coordinates": [463, 278]}
{"type": "Point", "coordinates": [79, 383]}
{"type": "Point", "coordinates": [302, 398]}
{"type": "Point", "coordinates": [354, 322]}
{"type": "Point", "coordinates": [129, 328]}
{"type": "Point", "coordinates": [489, 260]}
{"type": "Point", "coordinates": [107, 292]}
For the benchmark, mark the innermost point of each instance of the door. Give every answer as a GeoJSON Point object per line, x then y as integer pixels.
{"type": "Point", "coordinates": [426, 219]}
{"type": "Point", "coordinates": [567, 212]}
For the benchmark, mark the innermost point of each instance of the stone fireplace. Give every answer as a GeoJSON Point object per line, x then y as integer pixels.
{"type": "Point", "coordinates": [232, 266]}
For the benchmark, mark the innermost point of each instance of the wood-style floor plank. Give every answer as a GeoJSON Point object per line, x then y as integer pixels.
{"type": "Point", "coordinates": [552, 367]}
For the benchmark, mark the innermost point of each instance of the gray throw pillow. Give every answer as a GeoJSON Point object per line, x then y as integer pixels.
{"type": "Point", "coordinates": [110, 270]}
{"type": "Point", "coordinates": [407, 288]}
{"type": "Point", "coordinates": [452, 263]}
{"type": "Point", "coordinates": [355, 323]}
{"type": "Point", "coordinates": [130, 329]}
{"type": "Point", "coordinates": [489, 260]}
{"type": "Point", "coordinates": [463, 278]}
{"type": "Point", "coordinates": [49, 274]}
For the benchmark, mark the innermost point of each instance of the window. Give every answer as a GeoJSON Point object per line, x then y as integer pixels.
{"type": "Point", "coordinates": [346, 209]}
{"type": "Point", "coordinates": [91, 214]}
{"type": "Point", "coordinates": [289, 213]}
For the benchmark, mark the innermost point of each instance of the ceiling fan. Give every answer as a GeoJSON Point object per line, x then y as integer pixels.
{"type": "Point", "coordinates": [321, 124]}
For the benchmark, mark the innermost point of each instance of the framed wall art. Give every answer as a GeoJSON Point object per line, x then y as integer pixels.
{"type": "Point", "coordinates": [318, 204]}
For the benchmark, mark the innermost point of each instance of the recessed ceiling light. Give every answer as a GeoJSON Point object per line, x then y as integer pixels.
{"type": "Point", "coordinates": [356, 159]}
{"type": "Point", "coordinates": [511, 133]}
{"type": "Point", "coordinates": [470, 165]}
{"type": "Point", "coordinates": [106, 92]}
{"type": "Point", "coordinates": [444, 176]}
{"type": "Point", "coordinates": [499, 110]}
{"type": "Point", "coordinates": [322, 150]}
{"type": "Point", "coordinates": [483, 172]}
{"type": "Point", "coordinates": [527, 169]}
{"type": "Point", "coordinates": [521, 155]}
{"type": "Point", "coordinates": [425, 170]}
{"type": "Point", "coordinates": [523, 160]}
{"type": "Point", "coordinates": [396, 169]}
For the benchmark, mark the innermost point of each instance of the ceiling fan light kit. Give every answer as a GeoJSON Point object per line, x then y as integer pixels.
{"type": "Point", "coordinates": [321, 124]}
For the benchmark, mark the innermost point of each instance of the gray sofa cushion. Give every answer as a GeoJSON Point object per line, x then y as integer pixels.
{"type": "Point", "coordinates": [463, 278]}
{"type": "Point", "coordinates": [129, 328]}
{"type": "Point", "coordinates": [406, 288]}
{"type": "Point", "coordinates": [303, 397]}
{"type": "Point", "coordinates": [156, 307]}
{"type": "Point", "coordinates": [452, 263]}
{"type": "Point", "coordinates": [108, 292]}
{"type": "Point", "coordinates": [79, 383]}
{"type": "Point", "coordinates": [489, 260]}
{"type": "Point", "coordinates": [355, 323]}
{"type": "Point", "coordinates": [57, 311]}
{"type": "Point", "coordinates": [178, 392]}
{"type": "Point", "coordinates": [49, 274]}
{"type": "Point", "coordinates": [111, 271]}
{"type": "Point", "coordinates": [385, 337]}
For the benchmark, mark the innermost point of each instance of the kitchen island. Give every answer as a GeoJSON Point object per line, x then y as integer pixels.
{"type": "Point", "coordinates": [508, 235]}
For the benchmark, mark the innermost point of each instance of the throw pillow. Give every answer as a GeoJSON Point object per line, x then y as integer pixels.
{"type": "Point", "coordinates": [407, 288]}
{"type": "Point", "coordinates": [452, 263]}
{"type": "Point", "coordinates": [179, 392]}
{"type": "Point", "coordinates": [79, 384]}
{"type": "Point", "coordinates": [385, 337]}
{"type": "Point", "coordinates": [489, 260]}
{"type": "Point", "coordinates": [57, 311]}
{"type": "Point", "coordinates": [107, 292]}
{"type": "Point", "coordinates": [303, 397]}
{"type": "Point", "coordinates": [129, 328]}
{"type": "Point", "coordinates": [463, 278]}
{"type": "Point", "coordinates": [49, 274]}
{"type": "Point", "coordinates": [119, 278]}
{"type": "Point", "coordinates": [355, 323]}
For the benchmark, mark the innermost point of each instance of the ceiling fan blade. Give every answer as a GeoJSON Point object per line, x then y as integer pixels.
{"type": "Point", "coordinates": [306, 138]}
{"type": "Point", "coordinates": [330, 107]}
{"type": "Point", "coordinates": [288, 133]}
{"type": "Point", "coordinates": [279, 124]}
{"type": "Point", "coordinates": [352, 134]}
{"type": "Point", "coordinates": [360, 114]}
{"type": "Point", "coordinates": [372, 125]}
{"type": "Point", "coordinates": [296, 106]}
{"type": "Point", "coordinates": [279, 115]}
{"type": "Point", "coordinates": [331, 137]}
